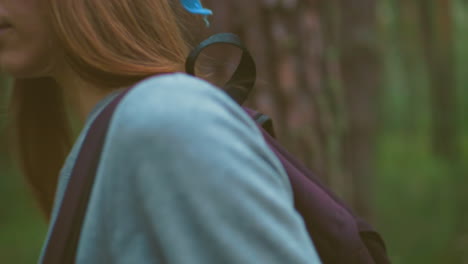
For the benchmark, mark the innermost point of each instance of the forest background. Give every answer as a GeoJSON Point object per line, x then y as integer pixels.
{"type": "Point", "coordinates": [370, 94]}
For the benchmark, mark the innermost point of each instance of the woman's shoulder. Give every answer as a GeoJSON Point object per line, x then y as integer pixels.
{"type": "Point", "coordinates": [185, 168]}
{"type": "Point", "coordinates": [181, 127]}
{"type": "Point", "coordinates": [177, 102]}
{"type": "Point", "coordinates": [174, 94]}
{"type": "Point", "coordinates": [182, 119]}
{"type": "Point", "coordinates": [174, 97]}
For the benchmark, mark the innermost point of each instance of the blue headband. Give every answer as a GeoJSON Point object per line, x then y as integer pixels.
{"type": "Point", "coordinates": [195, 7]}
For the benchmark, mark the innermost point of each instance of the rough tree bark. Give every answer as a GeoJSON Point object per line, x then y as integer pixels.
{"type": "Point", "coordinates": [360, 69]}
{"type": "Point", "coordinates": [286, 40]}
{"type": "Point", "coordinates": [310, 83]}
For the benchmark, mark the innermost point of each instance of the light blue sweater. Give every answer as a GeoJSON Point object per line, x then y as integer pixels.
{"type": "Point", "coordinates": [186, 177]}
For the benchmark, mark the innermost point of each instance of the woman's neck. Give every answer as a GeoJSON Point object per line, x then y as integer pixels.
{"type": "Point", "coordinates": [81, 95]}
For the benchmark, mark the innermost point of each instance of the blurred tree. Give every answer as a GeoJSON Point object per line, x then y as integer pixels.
{"type": "Point", "coordinates": [408, 45]}
{"type": "Point", "coordinates": [3, 110]}
{"type": "Point", "coordinates": [318, 78]}
{"type": "Point", "coordinates": [360, 69]}
{"type": "Point", "coordinates": [286, 40]}
{"type": "Point", "coordinates": [438, 47]}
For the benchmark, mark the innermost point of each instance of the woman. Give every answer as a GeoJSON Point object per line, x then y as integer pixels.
{"type": "Point", "coordinates": [184, 177]}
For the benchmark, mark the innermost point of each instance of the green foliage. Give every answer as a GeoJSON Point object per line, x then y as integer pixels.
{"type": "Point", "coordinates": [22, 229]}
{"type": "Point", "coordinates": [416, 202]}
{"type": "Point", "coordinates": [419, 202]}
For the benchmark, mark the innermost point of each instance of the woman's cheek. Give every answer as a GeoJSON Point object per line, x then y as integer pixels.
{"type": "Point", "coordinates": [27, 53]}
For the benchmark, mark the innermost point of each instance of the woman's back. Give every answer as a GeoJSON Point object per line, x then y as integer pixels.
{"type": "Point", "coordinates": [185, 177]}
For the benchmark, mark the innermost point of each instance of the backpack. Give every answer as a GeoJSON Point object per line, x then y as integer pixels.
{"type": "Point", "coordinates": [338, 234]}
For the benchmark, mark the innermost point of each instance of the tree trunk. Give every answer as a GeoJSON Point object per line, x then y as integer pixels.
{"type": "Point", "coordinates": [4, 148]}
{"type": "Point", "coordinates": [285, 39]}
{"type": "Point", "coordinates": [438, 49]}
{"type": "Point", "coordinates": [360, 70]}
{"type": "Point", "coordinates": [319, 93]}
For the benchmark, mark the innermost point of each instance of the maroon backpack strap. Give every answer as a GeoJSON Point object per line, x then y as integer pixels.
{"type": "Point", "coordinates": [338, 235]}
{"type": "Point", "coordinates": [63, 241]}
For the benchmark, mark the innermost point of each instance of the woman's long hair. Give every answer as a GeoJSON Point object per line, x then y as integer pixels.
{"type": "Point", "coordinates": [111, 43]}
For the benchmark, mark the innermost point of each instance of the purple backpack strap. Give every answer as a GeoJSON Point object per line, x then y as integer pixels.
{"type": "Point", "coordinates": [61, 247]}
{"type": "Point", "coordinates": [338, 235]}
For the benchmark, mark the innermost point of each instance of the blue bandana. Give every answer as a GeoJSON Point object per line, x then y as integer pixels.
{"type": "Point", "coordinates": [195, 7]}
